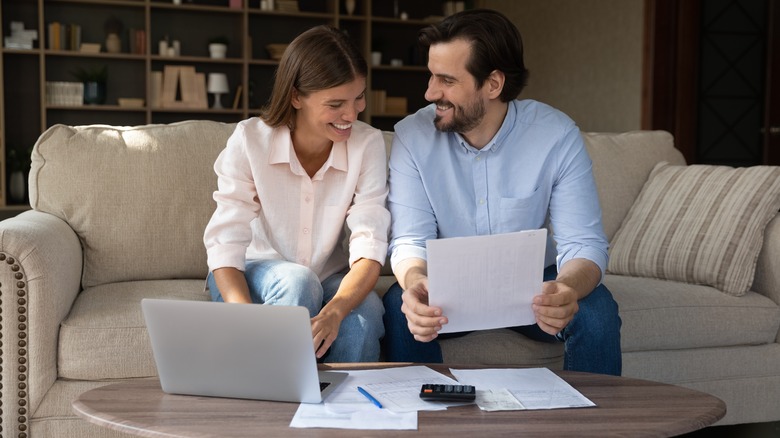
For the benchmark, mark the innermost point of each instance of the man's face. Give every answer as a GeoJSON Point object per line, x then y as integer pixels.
{"type": "Point", "coordinates": [460, 106]}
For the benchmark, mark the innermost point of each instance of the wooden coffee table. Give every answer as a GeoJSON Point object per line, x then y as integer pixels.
{"type": "Point", "coordinates": [625, 407]}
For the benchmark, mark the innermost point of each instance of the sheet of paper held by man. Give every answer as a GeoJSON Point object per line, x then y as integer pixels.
{"type": "Point", "coordinates": [485, 282]}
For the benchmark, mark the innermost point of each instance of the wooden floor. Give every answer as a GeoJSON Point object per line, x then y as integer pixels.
{"type": "Point", "coordinates": [754, 430]}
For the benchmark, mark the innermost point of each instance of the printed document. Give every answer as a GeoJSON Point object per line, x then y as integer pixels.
{"type": "Point", "coordinates": [396, 388]}
{"type": "Point", "coordinates": [486, 282]}
{"type": "Point", "coordinates": [532, 388]}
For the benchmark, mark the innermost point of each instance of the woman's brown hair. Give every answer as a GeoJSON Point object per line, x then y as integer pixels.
{"type": "Point", "coordinates": [322, 57]}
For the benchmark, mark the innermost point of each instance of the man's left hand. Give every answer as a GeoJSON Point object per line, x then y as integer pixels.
{"type": "Point", "coordinates": [555, 307]}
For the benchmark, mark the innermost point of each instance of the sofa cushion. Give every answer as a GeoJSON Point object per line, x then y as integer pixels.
{"type": "Point", "coordinates": [698, 224]}
{"type": "Point", "coordinates": [621, 164]}
{"type": "Point", "coordinates": [112, 185]}
{"type": "Point", "coordinates": [104, 336]}
{"type": "Point", "coordinates": [669, 315]}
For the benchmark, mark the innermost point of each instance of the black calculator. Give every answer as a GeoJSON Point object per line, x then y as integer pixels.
{"type": "Point", "coordinates": [436, 392]}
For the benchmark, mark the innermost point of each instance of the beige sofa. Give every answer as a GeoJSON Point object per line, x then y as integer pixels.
{"type": "Point", "coordinates": [118, 215]}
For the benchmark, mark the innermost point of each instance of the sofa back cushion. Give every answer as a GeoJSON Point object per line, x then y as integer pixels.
{"type": "Point", "coordinates": [138, 197]}
{"type": "Point", "coordinates": [622, 162]}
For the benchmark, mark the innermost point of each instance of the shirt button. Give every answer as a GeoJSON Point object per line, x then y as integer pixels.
{"type": "Point", "coordinates": [479, 158]}
{"type": "Point", "coordinates": [305, 231]}
{"type": "Point", "coordinates": [481, 201]}
{"type": "Point", "coordinates": [307, 199]}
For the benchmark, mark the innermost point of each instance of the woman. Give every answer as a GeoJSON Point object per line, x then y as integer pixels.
{"type": "Point", "coordinates": [287, 181]}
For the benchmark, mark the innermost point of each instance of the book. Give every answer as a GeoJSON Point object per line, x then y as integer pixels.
{"type": "Point", "coordinates": [237, 98]}
{"type": "Point", "coordinates": [137, 41]}
{"type": "Point", "coordinates": [201, 101]}
{"type": "Point", "coordinates": [54, 35]}
{"type": "Point", "coordinates": [170, 86]}
{"type": "Point", "coordinates": [182, 87]}
{"type": "Point", "coordinates": [155, 82]}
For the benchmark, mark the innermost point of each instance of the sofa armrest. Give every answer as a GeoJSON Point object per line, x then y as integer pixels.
{"type": "Point", "coordinates": [40, 271]}
{"type": "Point", "coordinates": [767, 278]}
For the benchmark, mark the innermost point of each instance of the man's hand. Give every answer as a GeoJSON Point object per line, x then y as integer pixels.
{"type": "Point", "coordinates": [424, 321]}
{"type": "Point", "coordinates": [555, 307]}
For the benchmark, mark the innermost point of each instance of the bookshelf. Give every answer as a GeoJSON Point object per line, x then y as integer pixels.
{"type": "Point", "coordinates": [133, 72]}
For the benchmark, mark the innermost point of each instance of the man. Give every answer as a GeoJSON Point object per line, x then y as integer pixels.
{"type": "Point", "coordinates": [477, 162]}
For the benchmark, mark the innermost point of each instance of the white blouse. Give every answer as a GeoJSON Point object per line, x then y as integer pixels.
{"type": "Point", "coordinates": [269, 208]}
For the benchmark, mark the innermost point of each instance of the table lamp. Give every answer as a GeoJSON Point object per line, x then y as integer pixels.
{"type": "Point", "coordinates": [218, 85]}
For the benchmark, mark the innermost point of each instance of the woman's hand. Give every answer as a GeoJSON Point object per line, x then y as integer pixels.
{"type": "Point", "coordinates": [324, 330]}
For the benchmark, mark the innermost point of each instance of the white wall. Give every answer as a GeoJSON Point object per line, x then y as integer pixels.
{"type": "Point", "coordinates": [585, 57]}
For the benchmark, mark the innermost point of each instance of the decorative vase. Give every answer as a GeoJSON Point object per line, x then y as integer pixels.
{"type": "Point", "coordinates": [350, 6]}
{"type": "Point", "coordinates": [113, 43]}
{"type": "Point", "coordinates": [16, 186]}
{"type": "Point", "coordinates": [94, 93]}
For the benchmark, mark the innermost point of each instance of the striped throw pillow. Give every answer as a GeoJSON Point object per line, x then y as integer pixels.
{"type": "Point", "coordinates": [698, 224]}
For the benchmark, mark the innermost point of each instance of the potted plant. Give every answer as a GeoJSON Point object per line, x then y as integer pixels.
{"type": "Point", "coordinates": [18, 160]}
{"type": "Point", "coordinates": [218, 47]}
{"type": "Point", "coordinates": [94, 79]}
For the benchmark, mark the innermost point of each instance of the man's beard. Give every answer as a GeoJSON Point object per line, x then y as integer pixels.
{"type": "Point", "coordinates": [464, 119]}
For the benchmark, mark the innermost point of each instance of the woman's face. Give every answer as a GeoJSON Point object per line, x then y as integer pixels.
{"type": "Point", "coordinates": [328, 114]}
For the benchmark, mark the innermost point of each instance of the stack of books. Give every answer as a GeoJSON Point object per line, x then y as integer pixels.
{"type": "Point", "coordinates": [20, 38]}
{"type": "Point", "coordinates": [376, 100]}
{"type": "Point", "coordinates": [178, 86]}
{"type": "Point", "coordinates": [287, 5]}
{"type": "Point", "coordinates": [137, 40]}
{"type": "Point", "coordinates": [65, 93]}
{"type": "Point", "coordinates": [63, 36]}
{"type": "Point", "coordinates": [382, 104]}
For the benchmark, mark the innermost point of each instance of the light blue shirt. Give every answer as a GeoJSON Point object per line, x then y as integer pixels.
{"type": "Point", "coordinates": [535, 165]}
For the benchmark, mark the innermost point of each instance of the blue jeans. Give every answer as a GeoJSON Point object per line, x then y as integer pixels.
{"type": "Point", "coordinates": [282, 283]}
{"type": "Point", "coordinates": [592, 338]}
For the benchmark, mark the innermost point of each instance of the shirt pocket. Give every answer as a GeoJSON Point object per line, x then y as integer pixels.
{"type": "Point", "coordinates": [518, 214]}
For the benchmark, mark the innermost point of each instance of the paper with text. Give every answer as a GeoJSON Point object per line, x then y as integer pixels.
{"type": "Point", "coordinates": [396, 388]}
{"type": "Point", "coordinates": [486, 282]}
{"type": "Point", "coordinates": [534, 388]}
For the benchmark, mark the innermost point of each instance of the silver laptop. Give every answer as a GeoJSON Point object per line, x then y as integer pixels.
{"type": "Point", "coordinates": [248, 351]}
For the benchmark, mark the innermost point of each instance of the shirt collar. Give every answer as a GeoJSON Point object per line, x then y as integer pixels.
{"type": "Point", "coordinates": [281, 150]}
{"type": "Point", "coordinates": [495, 143]}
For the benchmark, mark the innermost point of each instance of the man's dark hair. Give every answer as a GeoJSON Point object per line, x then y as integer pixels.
{"type": "Point", "coordinates": [495, 45]}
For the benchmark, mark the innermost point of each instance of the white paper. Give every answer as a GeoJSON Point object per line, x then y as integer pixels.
{"type": "Point", "coordinates": [397, 389]}
{"type": "Point", "coordinates": [534, 388]}
{"type": "Point", "coordinates": [352, 416]}
{"type": "Point", "coordinates": [485, 282]}
{"type": "Point", "coordinates": [497, 400]}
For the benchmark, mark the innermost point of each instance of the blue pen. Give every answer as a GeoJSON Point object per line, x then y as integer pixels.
{"type": "Point", "coordinates": [370, 397]}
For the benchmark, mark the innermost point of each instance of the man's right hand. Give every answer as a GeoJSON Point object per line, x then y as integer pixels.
{"type": "Point", "coordinates": [424, 321]}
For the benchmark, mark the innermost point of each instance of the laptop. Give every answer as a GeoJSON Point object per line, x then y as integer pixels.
{"type": "Point", "coordinates": [247, 351]}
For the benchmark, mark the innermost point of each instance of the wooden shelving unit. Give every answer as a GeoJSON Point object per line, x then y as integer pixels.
{"type": "Point", "coordinates": [24, 113]}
